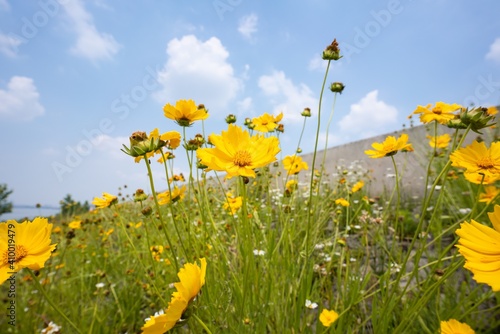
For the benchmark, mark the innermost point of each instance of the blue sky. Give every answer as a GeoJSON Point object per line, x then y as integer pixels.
{"type": "Point", "coordinates": [78, 77]}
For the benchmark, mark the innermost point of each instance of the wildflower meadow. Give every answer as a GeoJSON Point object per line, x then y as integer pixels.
{"type": "Point", "coordinates": [250, 241]}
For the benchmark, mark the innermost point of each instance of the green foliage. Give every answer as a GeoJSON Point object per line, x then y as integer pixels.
{"type": "Point", "coordinates": [5, 206]}
{"type": "Point", "coordinates": [70, 207]}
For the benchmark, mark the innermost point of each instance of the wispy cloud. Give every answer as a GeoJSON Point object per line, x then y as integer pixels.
{"type": "Point", "coordinates": [494, 53]}
{"type": "Point", "coordinates": [20, 100]}
{"type": "Point", "coordinates": [198, 70]}
{"type": "Point", "coordinates": [9, 45]}
{"type": "Point", "coordinates": [90, 44]}
{"type": "Point", "coordinates": [288, 97]}
{"type": "Point", "coordinates": [368, 117]}
{"type": "Point", "coordinates": [248, 25]}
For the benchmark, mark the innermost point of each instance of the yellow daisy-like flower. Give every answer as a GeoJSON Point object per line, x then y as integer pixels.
{"type": "Point", "coordinates": [237, 153]}
{"type": "Point", "coordinates": [294, 164]}
{"type": "Point", "coordinates": [171, 138]}
{"type": "Point", "coordinates": [291, 185]}
{"type": "Point", "coordinates": [389, 147]}
{"type": "Point", "coordinates": [342, 201]}
{"type": "Point", "coordinates": [75, 224]}
{"type": "Point", "coordinates": [478, 178]}
{"type": "Point", "coordinates": [32, 246]}
{"type": "Point", "coordinates": [441, 112]}
{"type": "Point", "coordinates": [106, 201]}
{"type": "Point", "coordinates": [490, 193]}
{"type": "Point", "coordinates": [192, 279]}
{"type": "Point", "coordinates": [328, 317]}
{"type": "Point", "coordinates": [233, 204]}
{"type": "Point", "coordinates": [440, 141]}
{"type": "Point", "coordinates": [185, 112]}
{"type": "Point", "coordinates": [176, 195]}
{"type": "Point", "coordinates": [480, 246]}
{"type": "Point", "coordinates": [357, 186]}
{"type": "Point", "coordinates": [477, 158]}
{"type": "Point", "coordinates": [266, 122]}
{"type": "Point", "coordinates": [453, 326]}
{"type": "Point", "coordinates": [491, 111]}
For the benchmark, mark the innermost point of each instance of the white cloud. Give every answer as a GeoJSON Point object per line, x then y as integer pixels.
{"type": "Point", "coordinates": [287, 97]}
{"type": "Point", "coordinates": [91, 43]}
{"type": "Point", "coordinates": [200, 71]}
{"type": "Point", "coordinates": [248, 25]}
{"type": "Point", "coordinates": [494, 53]}
{"type": "Point", "coordinates": [20, 100]}
{"type": "Point", "coordinates": [9, 44]}
{"type": "Point", "coordinates": [317, 63]}
{"type": "Point", "coordinates": [369, 117]}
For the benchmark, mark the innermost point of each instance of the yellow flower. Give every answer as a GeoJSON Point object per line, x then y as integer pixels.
{"type": "Point", "coordinates": [172, 140]}
{"type": "Point", "coordinates": [291, 185]}
{"type": "Point", "coordinates": [453, 326]}
{"type": "Point", "coordinates": [441, 112]}
{"type": "Point", "coordinates": [75, 224]}
{"type": "Point", "coordinates": [192, 279]}
{"type": "Point", "coordinates": [31, 248]}
{"type": "Point", "coordinates": [440, 141]}
{"type": "Point", "coordinates": [477, 158]}
{"type": "Point", "coordinates": [481, 178]}
{"type": "Point", "coordinates": [237, 153]}
{"type": "Point", "coordinates": [389, 147]}
{"type": "Point", "coordinates": [357, 186]}
{"type": "Point", "coordinates": [106, 201]}
{"type": "Point", "coordinates": [294, 164]}
{"type": "Point", "coordinates": [490, 193]}
{"type": "Point", "coordinates": [232, 204]}
{"type": "Point", "coordinates": [480, 246]}
{"type": "Point", "coordinates": [177, 194]}
{"type": "Point", "coordinates": [492, 111]}
{"type": "Point", "coordinates": [342, 201]}
{"type": "Point", "coordinates": [328, 317]}
{"type": "Point", "coordinates": [185, 112]}
{"type": "Point", "coordinates": [266, 122]}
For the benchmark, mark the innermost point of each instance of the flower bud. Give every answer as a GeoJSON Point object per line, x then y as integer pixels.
{"type": "Point", "coordinates": [280, 128]}
{"type": "Point", "coordinates": [332, 51]}
{"type": "Point", "coordinates": [306, 112]}
{"type": "Point", "coordinates": [140, 196]}
{"type": "Point", "coordinates": [230, 119]}
{"type": "Point", "coordinates": [140, 144]}
{"type": "Point", "coordinates": [337, 87]}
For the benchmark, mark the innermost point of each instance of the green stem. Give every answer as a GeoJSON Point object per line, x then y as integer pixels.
{"type": "Point", "coordinates": [47, 298]}
{"type": "Point", "coordinates": [202, 324]}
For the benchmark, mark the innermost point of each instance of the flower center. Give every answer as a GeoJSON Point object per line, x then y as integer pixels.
{"type": "Point", "coordinates": [16, 256]}
{"type": "Point", "coordinates": [437, 111]}
{"type": "Point", "coordinates": [485, 163]}
{"type": "Point", "coordinates": [242, 158]}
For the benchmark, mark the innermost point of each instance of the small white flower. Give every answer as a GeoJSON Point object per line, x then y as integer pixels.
{"type": "Point", "coordinates": [311, 305]}
{"type": "Point", "coordinates": [259, 252]}
{"type": "Point", "coordinates": [100, 285]}
{"type": "Point", "coordinates": [464, 211]}
{"type": "Point", "coordinates": [51, 328]}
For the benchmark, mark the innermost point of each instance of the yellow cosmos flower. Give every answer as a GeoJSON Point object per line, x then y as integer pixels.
{"type": "Point", "coordinates": [342, 201]}
{"type": "Point", "coordinates": [357, 186]}
{"type": "Point", "coordinates": [192, 279]}
{"type": "Point", "coordinates": [490, 193]}
{"type": "Point", "coordinates": [453, 326]}
{"type": "Point", "coordinates": [441, 112]}
{"type": "Point", "coordinates": [233, 204]}
{"type": "Point", "coordinates": [478, 178]}
{"type": "Point", "coordinates": [440, 141]}
{"type": "Point", "coordinates": [75, 224]}
{"type": "Point", "coordinates": [294, 164]}
{"type": "Point", "coordinates": [185, 112]}
{"type": "Point", "coordinates": [171, 138]}
{"type": "Point", "coordinates": [266, 122]}
{"type": "Point", "coordinates": [477, 158]}
{"type": "Point", "coordinates": [291, 185]}
{"type": "Point", "coordinates": [106, 201]}
{"type": "Point", "coordinates": [328, 317]}
{"type": "Point", "coordinates": [480, 246]}
{"type": "Point", "coordinates": [389, 147]}
{"type": "Point", "coordinates": [237, 153]}
{"type": "Point", "coordinates": [177, 194]}
{"type": "Point", "coordinates": [32, 246]}
{"type": "Point", "coordinates": [492, 111]}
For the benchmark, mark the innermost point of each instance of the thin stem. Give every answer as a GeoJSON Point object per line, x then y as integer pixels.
{"type": "Point", "coordinates": [54, 306]}
{"type": "Point", "coordinates": [202, 324]}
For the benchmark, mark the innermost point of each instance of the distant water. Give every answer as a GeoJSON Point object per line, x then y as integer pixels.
{"type": "Point", "coordinates": [20, 212]}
